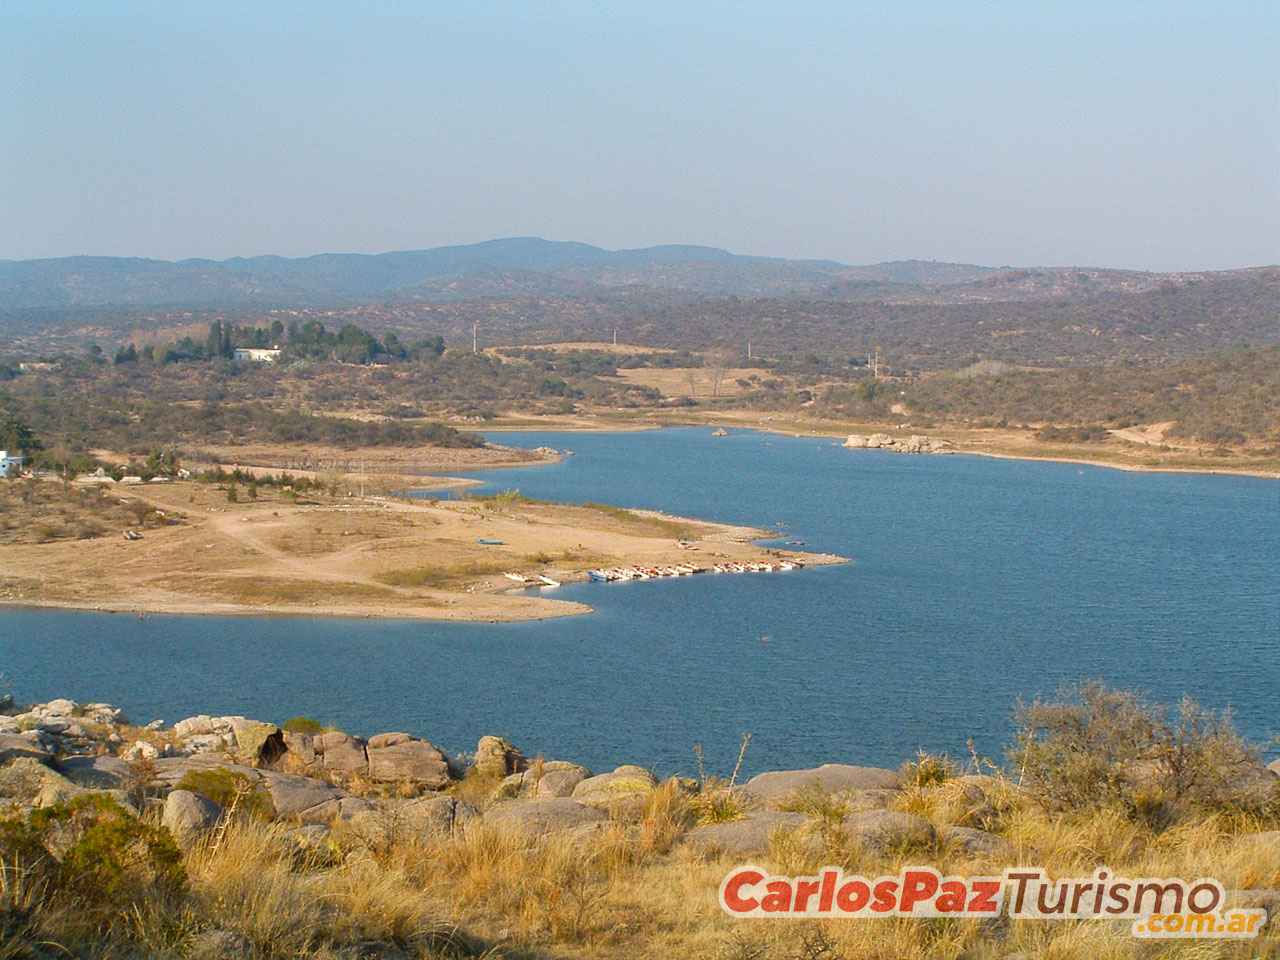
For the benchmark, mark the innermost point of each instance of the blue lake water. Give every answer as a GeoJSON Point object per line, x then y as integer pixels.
{"type": "Point", "coordinates": [973, 581]}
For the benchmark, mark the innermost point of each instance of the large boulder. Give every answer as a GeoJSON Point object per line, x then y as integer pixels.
{"type": "Point", "coordinates": [62, 708]}
{"type": "Point", "coordinates": [258, 741]}
{"type": "Point", "coordinates": [747, 837]}
{"type": "Point", "coordinates": [341, 753]}
{"type": "Point", "coordinates": [15, 745]}
{"type": "Point", "coordinates": [29, 782]}
{"type": "Point", "coordinates": [497, 758]}
{"type": "Point", "coordinates": [439, 816]}
{"type": "Point", "coordinates": [292, 795]}
{"type": "Point", "coordinates": [300, 747]}
{"type": "Point", "coordinates": [536, 817]}
{"type": "Point", "coordinates": [885, 830]}
{"type": "Point", "coordinates": [625, 790]}
{"type": "Point", "coordinates": [189, 816]}
{"type": "Point", "coordinates": [96, 773]}
{"type": "Point", "coordinates": [342, 808]}
{"type": "Point", "coordinates": [397, 757]}
{"type": "Point", "coordinates": [1274, 767]}
{"type": "Point", "coordinates": [554, 778]}
{"type": "Point", "coordinates": [779, 785]}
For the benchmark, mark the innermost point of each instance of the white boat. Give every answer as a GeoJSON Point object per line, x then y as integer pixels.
{"type": "Point", "coordinates": [517, 577]}
{"type": "Point", "coordinates": [548, 582]}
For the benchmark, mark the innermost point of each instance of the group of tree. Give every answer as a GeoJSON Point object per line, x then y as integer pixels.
{"type": "Point", "coordinates": [309, 340]}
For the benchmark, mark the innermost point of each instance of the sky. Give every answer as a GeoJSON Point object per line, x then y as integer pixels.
{"type": "Point", "coordinates": [1114, 134]}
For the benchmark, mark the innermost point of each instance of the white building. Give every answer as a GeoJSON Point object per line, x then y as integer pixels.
{"type": "Point", "coordinates": [256, 355]}
{"type": "Point", "coordinates": [10, 464]}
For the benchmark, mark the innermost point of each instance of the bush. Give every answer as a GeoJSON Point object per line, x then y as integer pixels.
{"type": "Point", "coordinates": [95, 850]}
{"type": "Point", "coordinates": [1094, 746]}
{"type": "Point", "coordinates": [304, 725]}
{"type": "Point", "coordinates": [232, 791]}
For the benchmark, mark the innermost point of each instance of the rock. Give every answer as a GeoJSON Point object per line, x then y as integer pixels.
{"type": "Point", "coordinates": [747, 837]}
{"type": "Point", "coordinates": [408, 759]}
{"type": "Point", "coordinates": [141, 750]}
{"type": "Point", "coordinates": [53, 724]}
{"type": "Point", "coordinates": [9, 725]}
{"type": "Point", "coordinates": [154, 725]}
{"type": "Point", "coordinates": [344, 808]}
{"type": "Point", "coordinates": [258, 741]}
{"type": "Point", "coordinates": [292, 795]}
{"type": "Point", "coordinates": [96, 773]}
{"type": "Point", "coordinates": [201, 725]}
{"type": "Point", "coordinates": [206, 743]}
{"type": "Point", "coordinates": [859, 800]}
{"type": "Point", "coordinates": [554, 783]}
{"type": "Point", "coordinates": [497, 758]}
{"type": "Point", "coordinates": [882, 829]}
{"type": "Point", "coordinates": [169, 771]}
{"type": "Point", "coordinates": [15, 745]}
{"type": "Point", "coordinates": [389, 740]}
{"type": "Point", "coordinates": [536, 817]}
{"type": "Point", "coordinates": [780, 785]}
{"type": "Point", "coordinates": [976, 842]}
{"type": "Point", "coordinates": [439, 816]}
{"type": "Point", "coordinates": [7, 705]}
{"type": "Point", "coordinates": [29, 782]}
{"type": "Point", "coordinates": [64, 708]}
{"type": "Point", "coordinates": [1274, 767]}
{"type": "Point", "coordinates": [300, 747]}
{"type": "Point", "coordinates": [624, 792]}
{"type": "Point", "coordinates": [554, 778]}
{"type": "Point", "coordinates": [189, 816]}
{"type": "Point", "coordinates": [341, 752]}
{"type": "Point", "coordinates": [217, 945]}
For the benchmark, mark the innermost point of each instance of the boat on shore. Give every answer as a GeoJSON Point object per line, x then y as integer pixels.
{"type": "Point", "coordinates": [648, 572]}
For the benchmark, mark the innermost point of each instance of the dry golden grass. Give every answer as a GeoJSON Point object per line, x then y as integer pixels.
{"type": "Point", "coordinates": [634, 890]}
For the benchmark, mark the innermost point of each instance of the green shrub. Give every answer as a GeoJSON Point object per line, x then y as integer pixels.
{"type": "Point", "coordinates": [304, 725]}
{"type": "Point", "coordinates": [109, 858]}
{"type": "Point", "coordinates": [229, 789]}
{"type": "Point", "coordinates": [1094, 746]}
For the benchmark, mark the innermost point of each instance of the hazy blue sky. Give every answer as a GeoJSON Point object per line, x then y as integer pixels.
{"type": "Point", "coordinates": [1138, 134]}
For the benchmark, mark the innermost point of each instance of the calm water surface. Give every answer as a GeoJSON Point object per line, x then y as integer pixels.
{"type": "Point", "coordinates": [973, 581]}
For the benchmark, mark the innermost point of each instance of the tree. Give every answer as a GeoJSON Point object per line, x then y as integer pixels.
{"type": "Point", "coordinates": [718, 365]}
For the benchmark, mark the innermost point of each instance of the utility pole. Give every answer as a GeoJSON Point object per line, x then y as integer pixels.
{"type": "Point", "coordinates": [748, 349]}
{"type": "Point", "coordinates": [475, 337]}
{"type": "Point", "coordinates": [875, 369]}
{"type": "Point", "coordinates": [361, 479]}
{"type": "Point", "coordinates": [615, 336]}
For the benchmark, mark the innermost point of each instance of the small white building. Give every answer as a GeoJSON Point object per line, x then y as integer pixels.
{"type": "Point", "coordinates": [10, 463]}
{"type": "Point", "coordinates": [257, 355]}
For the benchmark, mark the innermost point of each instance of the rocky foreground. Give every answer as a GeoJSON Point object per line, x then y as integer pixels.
{"type": "Point", "coordinates": [228, 837]}
{"type": "Point", "coordinates": [313, 779]}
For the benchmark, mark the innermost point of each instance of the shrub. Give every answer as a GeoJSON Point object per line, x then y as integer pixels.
{"type": "Point", "coordinates": [233, 791]}
{"type": "Point", "coordinates": [304, 725]}
{"type": "Point", "coordinates": [1096, 746]}
{"type": "Point", "coordinates": [108, 856]}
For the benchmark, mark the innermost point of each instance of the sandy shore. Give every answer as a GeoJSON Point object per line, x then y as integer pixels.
{"type": "Point", "coordinates": [354, 557]}
{"type": "Point", "coordinates": [1135, 456]}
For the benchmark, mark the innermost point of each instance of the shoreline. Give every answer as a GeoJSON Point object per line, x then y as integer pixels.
{"type": "Point", "coordinates": [833, 432]}
{"type": "Point", "coordinates": [372, 557]}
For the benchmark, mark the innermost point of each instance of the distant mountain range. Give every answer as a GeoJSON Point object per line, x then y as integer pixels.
{"type": "Point", "coordinates": [530, 267]}
{"type": "Point", "coordinates": [512, 267]}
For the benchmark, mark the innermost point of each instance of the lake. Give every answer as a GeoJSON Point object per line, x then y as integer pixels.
{"type": "Point", "coordinates": [973, 581]}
